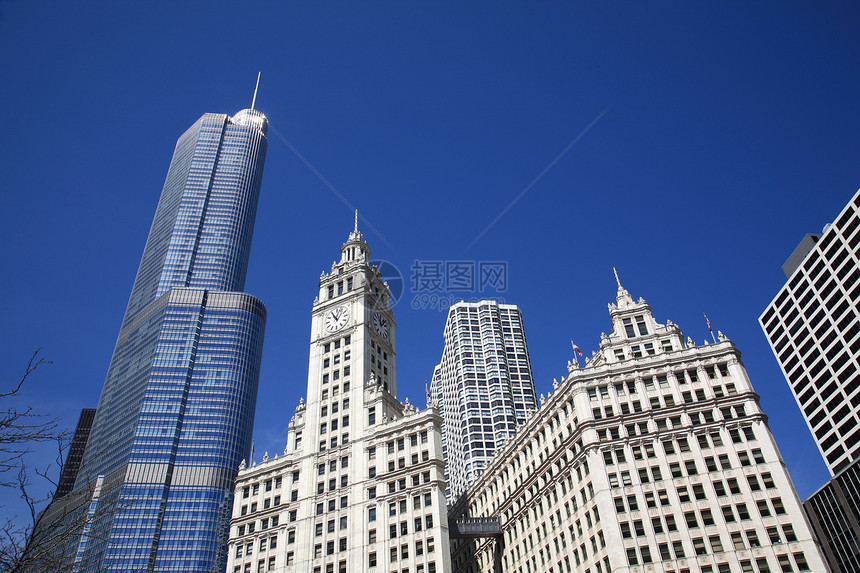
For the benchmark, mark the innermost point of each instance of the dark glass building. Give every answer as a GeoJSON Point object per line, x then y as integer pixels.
{"type": "Point", "coordinates": [834, 512]}
{"type": "Point", "coordinates": [155, 487]}
{"type": "Point", "coordinates": [76, 452]}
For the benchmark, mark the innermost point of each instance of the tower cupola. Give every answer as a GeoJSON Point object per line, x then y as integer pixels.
{"type": "Point", "coordinates": [354, 249]}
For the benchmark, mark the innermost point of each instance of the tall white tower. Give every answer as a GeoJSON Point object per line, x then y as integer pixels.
{"type": "Point", "coordinates": [360, 486]}
{"type": "Point", "coordinates": [484, 386]}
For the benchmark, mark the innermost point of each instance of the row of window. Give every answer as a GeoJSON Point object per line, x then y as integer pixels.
{"type": "Point", "coordinates": [268, 485]}
{"type": "Point", "coordinates": [642, 554]}
{"type": "Point", "coordinates": [339, 287]}
{"type": "Point", "coordinates": [651, 383]}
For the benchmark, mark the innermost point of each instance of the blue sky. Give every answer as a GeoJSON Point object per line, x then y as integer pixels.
{"type": "Point", "coordinates": [720, 133]}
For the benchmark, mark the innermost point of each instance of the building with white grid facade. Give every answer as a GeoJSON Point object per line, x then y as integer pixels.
{"type": "Point", "coordinates": [483, 385]}
{"type": "Point", "coordinates": [653, 457]}
{"type": "Point", "coordinates": [813, 326]}
{"type": "Point", "coordinates": [360, 485]}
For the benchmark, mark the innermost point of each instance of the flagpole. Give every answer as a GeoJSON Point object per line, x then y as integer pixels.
{"type": "Point", "coordinates": [714, 338]}
{"type": "Point", "coordinates": [576, 351]}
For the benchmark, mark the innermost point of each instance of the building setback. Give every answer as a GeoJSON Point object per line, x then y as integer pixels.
{"type": "Point", "coordinates": [174, 420]}
{"type": "Point", "coordinates": [654, 456]}
{"type": "Point", "coordinates": [360, 485]}
{"type": "Point", "coordinates": [483, 385]}
{"type": "Point", "coordinates": [813, 326]}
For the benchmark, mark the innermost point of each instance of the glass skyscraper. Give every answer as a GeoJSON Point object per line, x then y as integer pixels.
{"type": "Point", "coordinates": [174, 421]}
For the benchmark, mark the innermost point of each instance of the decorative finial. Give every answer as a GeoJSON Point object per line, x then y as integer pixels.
{"type": "Point", "coordinates": [616, 277]}
{"type": "Point", "coordinates": [356, 221]}
{"type": "Point", "coordinates": [254, 100]}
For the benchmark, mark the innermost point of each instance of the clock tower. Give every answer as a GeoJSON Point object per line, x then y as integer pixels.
{"type": "Point", "coordinates": [361, 483]}
{"type": "Point", "coordinates": [352, 344]}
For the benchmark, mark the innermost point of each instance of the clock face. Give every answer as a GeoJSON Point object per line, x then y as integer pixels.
{"type": "Point", "coordinates": [336, 318]}
{"type": "Point", "coordinates": [380, 324]}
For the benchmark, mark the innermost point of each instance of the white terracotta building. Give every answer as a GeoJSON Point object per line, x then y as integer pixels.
{"type": "Point", "coordinates": [360, 485]}
{"type": "Point", "coordinates": [653, 457]}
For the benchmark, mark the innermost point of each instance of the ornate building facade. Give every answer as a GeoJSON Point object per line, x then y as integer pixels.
{"type": "Point", "coordinates": [360, 485]}
{"type": "Point", "coordinates": [655, 456]}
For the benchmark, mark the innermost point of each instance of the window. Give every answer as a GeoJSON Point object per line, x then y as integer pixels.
{"type": "Point", "coordinates": [778, 507]}
{"type": "Point", "coordinates": [752, 538]}
{"type": "Point", "coordinates": [690, 518]}
{"type": "Point", "coordinates": [716, 543]}
{"type": "Point", "coordinates": [800, 559]}
{"type": "Point", "coordinates": [650, 500]}
{"type": "Point", "coordinates": [628, 328]}
{"type": "Point", "coordinates": [646, 554]}
{"type": "Point", "coordinates": [784, 563]}
{"type": "Point", "coordinates": [632, 556]}
{"type": "Point", "coordinates": [733, 486]}
{"type": "Point", "coordinates": [690, 466]}
{"type": "Point", "coordinates": [753, 483]}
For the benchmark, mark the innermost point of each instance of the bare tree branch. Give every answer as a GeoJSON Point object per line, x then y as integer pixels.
{"type": "Point", "coordinates": [20, 428]}
{"type": "Point", "coordinates": [34, 363]}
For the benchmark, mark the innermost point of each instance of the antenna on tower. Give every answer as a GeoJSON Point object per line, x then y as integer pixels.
{"type": "Point", "coordinates": [616, 277]}
{"type": "Point", "coordinates": [356, 220]}
{"type": "Point", "coordinates": [254, 101]}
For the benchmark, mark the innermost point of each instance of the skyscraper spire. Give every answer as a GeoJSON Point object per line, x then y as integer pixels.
{"type": "Point", "coordinates": [356, 222]}
{"type": "Point", "coordinates": [254, 100]}
{"type": "Point", "coordinates": [616, 277]}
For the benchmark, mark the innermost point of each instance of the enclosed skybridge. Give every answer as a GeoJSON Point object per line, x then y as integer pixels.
{"type": "Point", "coordinates": [469, 527]}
